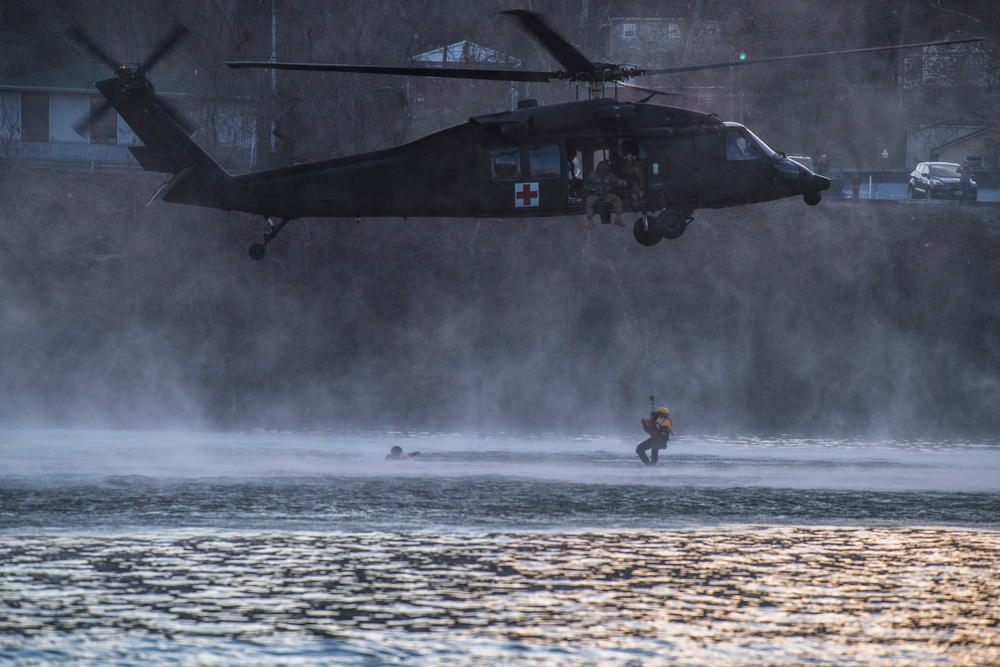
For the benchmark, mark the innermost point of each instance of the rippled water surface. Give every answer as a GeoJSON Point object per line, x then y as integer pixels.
{"type": "Point", "coordinates": [279, 549]}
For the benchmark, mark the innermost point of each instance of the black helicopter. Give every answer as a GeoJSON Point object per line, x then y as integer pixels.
{"type": "Point", "coordinates": [528, 162]}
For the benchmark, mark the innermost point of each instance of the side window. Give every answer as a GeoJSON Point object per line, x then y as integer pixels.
{"type": "Point", "coordinates": [103, 129]}
{"type": "Point", "coordinates": [505, 163]}
{"type": "Point", "coordinates": [35, 116]}
{"type": "Point", "coordinates": [738, 147]}
{"type": "Point", "coordinates": [544, 162]}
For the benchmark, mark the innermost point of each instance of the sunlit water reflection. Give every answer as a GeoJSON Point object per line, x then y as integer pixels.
{"type": "Point", "coordinates": [157, 549]}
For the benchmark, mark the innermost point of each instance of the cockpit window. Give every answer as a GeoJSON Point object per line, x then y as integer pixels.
{"type": "Point", "coordinates": [740, 147]}
{"type": "Point", "coordinates": [761, 146]}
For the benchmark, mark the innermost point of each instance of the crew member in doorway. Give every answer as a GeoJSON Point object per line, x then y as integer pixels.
{"type": "Point", "coordinates": [599, 186]}
{"type": "Point", "coordinates": [636, 179]}
{"type": "Point", "coordinates": [659, 427]}
{"type": "Point", "coordinates": [396, 454]}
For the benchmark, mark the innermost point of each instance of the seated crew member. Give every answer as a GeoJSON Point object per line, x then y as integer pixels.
{"type": "Point", "coordinates": [659, 427]}
{"type": "Point", "coordinates": [636, 179]}
{"type": "Point", "coordinates": [737, 147]}
{"type": "Point", "coordinates": [599, 186]}
{"type": "Point", "coordinates": [396, 454]}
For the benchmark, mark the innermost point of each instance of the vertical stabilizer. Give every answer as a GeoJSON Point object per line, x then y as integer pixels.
{"type": "Point", "coordinates": [199, 180]}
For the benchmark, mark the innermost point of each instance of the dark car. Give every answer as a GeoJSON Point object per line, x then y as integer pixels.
{"type": "Point", "coordinates": [938, 180]}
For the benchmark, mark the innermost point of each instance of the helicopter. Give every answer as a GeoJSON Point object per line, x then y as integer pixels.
{"type": "Point", "coordinates": [526, 162]}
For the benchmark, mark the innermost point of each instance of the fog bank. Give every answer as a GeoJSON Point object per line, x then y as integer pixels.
{"type": "Point", "coordinates": [846, 318]}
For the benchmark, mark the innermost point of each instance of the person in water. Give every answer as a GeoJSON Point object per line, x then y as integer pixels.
{"type": "Point", "coordinates": [396, 454]}
{"type": "Point", "coordinates": [659, 427]}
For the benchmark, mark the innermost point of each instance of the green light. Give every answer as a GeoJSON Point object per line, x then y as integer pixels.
{"type": "Point", "coordinates": [743, 56]}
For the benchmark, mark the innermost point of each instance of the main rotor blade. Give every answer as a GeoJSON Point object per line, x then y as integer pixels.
{"type": "Point", "coordinates": [439, 72]}
{"type": "Point", "coordinates": [564, 52]}
{"type": "Point", "coordinates": [165, 45]}
{"type": "Point", "coordinates": [645, 89]}
{"type": "Point", "coordinates": [758, 61]}
{"type": "Point", "coordinates": [76, 35]}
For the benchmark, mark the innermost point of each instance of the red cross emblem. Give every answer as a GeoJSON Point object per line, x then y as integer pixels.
{"type": "Point", "coordinates": [525, 194]}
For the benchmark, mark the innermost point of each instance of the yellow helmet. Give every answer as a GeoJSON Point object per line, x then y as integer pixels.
{"type": "Point", "coordinates": [663, 411]}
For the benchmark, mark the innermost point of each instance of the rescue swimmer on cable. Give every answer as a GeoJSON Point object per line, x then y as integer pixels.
{"type": "Point", "coordinates": [659, 427]}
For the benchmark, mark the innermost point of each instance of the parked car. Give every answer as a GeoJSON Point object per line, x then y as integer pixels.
{"type": "Point", "coordinates": [805, 161]}
{"type": "Point", "coordinates": [938, 180]}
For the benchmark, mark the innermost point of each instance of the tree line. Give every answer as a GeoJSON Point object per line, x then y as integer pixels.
{"type": "Point", "coordinates": [842, 106]}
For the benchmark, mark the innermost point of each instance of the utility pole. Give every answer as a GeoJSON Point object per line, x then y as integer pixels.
{"type": "Point", "coordinates": [274, 74]}
{"type": "Point", "coordinates": [693, 27]}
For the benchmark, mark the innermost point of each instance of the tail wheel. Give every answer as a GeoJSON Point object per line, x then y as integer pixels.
{"type": "Point", "coordinates": [812, 198]}
{"type": "Point", "coordinates": [671, 223]}
{"type": "Point", "coordinates": [645, 231]}
{"type": "Point", "coordinates": [258, 251]}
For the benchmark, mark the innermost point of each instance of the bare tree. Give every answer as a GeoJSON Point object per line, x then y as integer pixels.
{"type": "Point", "coordinates": [10, 133]}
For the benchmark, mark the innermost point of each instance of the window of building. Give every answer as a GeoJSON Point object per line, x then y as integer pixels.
{"type": "Point", "coordinates": [35, 116]}
{"type": "Point", "coordinates": [103, 128]}
{"type": "Point", "coordinates": [628, 30]}
{"type": "Point", "coordinates": [674, 30]}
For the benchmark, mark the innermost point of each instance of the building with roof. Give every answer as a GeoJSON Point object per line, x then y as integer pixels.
{"type": "Point", "coordinates": [451, 101]}
{"type": "Point", "coordinates": [980, 145]}
{"type": "Point", "coordinates": [40, 114]}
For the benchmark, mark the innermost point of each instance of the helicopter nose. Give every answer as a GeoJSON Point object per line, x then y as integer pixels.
{"type": "Point", "coordinates": [799, 177]}
{"type": "Point", "coordinates": [817, 183]}
{"type": "Point", "coordinates": [811, 181]}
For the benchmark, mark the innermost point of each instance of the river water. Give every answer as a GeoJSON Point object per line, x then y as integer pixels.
{"type": "Point", "coordinates": [310, 549]}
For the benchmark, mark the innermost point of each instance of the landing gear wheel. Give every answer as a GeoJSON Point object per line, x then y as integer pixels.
{"type": "Point", "coordinates": [671, 223]}
{"type": "Point", "coordinates": [811, 198]}
{"type": "Point", "coordinates": [258, 251]}
{"type": "Point", "coordinates": [645, 232]}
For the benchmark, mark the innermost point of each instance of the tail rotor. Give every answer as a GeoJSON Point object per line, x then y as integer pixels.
{"type": "Point", "coordinates": [132, 79]}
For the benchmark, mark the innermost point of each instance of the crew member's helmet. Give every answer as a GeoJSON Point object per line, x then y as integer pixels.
{"type": "Point", "coordinates": [663, 411]}
{"type": "Point", "coordinates": [603, 167]}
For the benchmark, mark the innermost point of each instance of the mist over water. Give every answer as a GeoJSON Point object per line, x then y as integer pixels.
{"type": "Point", "coordinates": [318, 481]}
{"type": "Point", "coordinates": [836, 321]}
